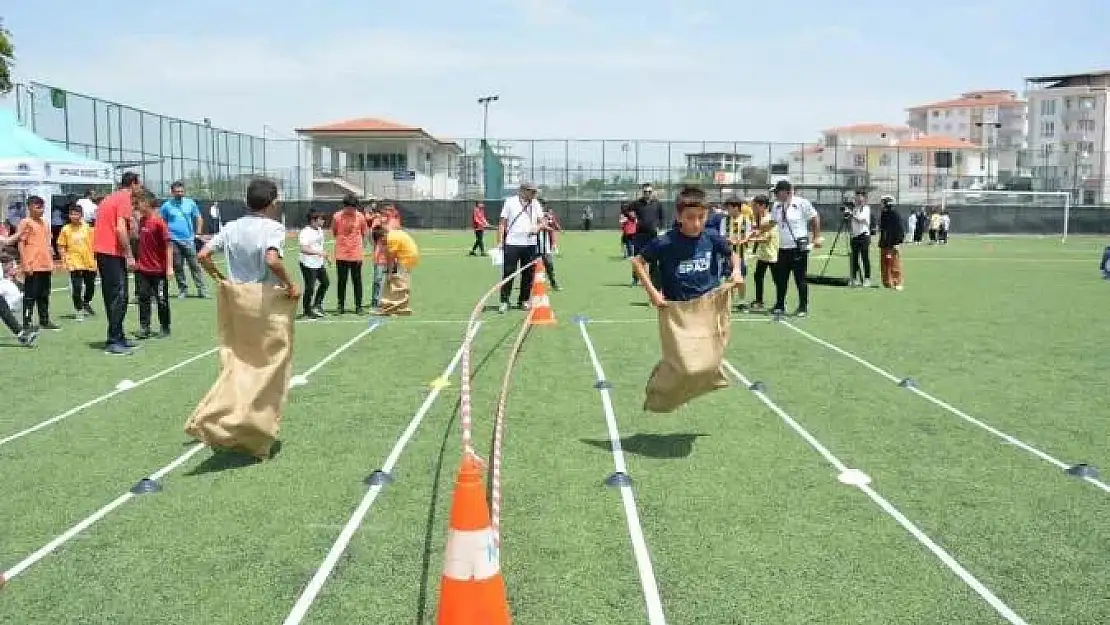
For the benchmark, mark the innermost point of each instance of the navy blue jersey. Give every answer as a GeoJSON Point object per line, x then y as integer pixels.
{"type": "Point", "coordinates": [688, 267]}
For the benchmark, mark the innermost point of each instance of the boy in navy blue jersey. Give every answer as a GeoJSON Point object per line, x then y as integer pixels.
{"type": "Point", "coordinates": [688, 256]}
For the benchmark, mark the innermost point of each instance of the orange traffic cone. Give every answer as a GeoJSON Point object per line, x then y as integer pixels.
{"type": "Point", "coordinates": [472, 591]}
{"type": "Point", "coordinates": [542, 315]}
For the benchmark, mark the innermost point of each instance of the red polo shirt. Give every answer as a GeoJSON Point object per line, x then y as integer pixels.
{"type": "Point", "coordinates": [111, 208]}
{"type": "Point", "coordinates": [154, 243]}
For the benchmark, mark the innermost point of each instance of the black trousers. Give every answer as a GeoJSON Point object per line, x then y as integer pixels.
{"type": "Point", "coordinates": [549, 266]}
{"type": "Point", "coordinates": [316, 285]}
{"type": "Point", "coordinates": [36, 293]}
{"type": "Point", "coordinates": [791, 262]}
{"type": "Point", "coordinates": [479, 242]}
{"type": "Point", "coordinates": [861, 256]}
{"type": "Point", "coordinates": [352, 268]}
{"type": "Point", "coordinates": [639, 242]}
{"type": "Point", "coordinates": [113, 286]}
{"type": "Point", "coordinates": [157, 287]}
{"type": "Point", "coordinates": [517, 256]}
{"type": "Point", "coordinates": [82, 286]}
{"type": "Point", "coordinates": [761, 267]}
{"type": "Point", "coordinates": [8, 317]}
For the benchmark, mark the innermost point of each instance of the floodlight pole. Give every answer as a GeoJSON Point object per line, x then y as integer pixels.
{"type": "Point", "coordinates": [484, 102]}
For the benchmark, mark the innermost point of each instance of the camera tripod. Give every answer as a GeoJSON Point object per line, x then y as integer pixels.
{"type": "Point", "coordinates": [821, 278]}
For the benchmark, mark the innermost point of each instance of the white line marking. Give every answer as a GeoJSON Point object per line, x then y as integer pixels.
{"type": "Point", "coordinates": [744, 319]}
{"type": "Point", "coordinates": [635, 531]}
{"type": "Point", "coordinates": [103, 398]}
{"type": "Point", "coordinates": [342, 348]}
{"type": "Point", "coordinates": [66, 288]}
{"type": "Point", "coordinates": [887, 507]}
{"type": "Point", "coordinates": [309, 594]}
{"type": "Point", "coordinates": [366, 320]}
{"type": "Point", "coordinates": [1103, 486]}
{"type": "Point", "coordinates": [72, 532]}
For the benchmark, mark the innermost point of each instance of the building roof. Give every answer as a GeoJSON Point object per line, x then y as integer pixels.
{"type": "Point", "coordinates": [370, 125]}
{"type": "Point", "coordinates": [1063, 77]}
{"type": "Point", "coordinates": [866, 128]}
{"type": "Point", "coordinates": [988, 97]}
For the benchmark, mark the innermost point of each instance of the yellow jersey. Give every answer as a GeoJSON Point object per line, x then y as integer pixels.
{"type": "Point", "coordinates": [402, 249]}
{"type": "Point", "coordinates": [76, 244]}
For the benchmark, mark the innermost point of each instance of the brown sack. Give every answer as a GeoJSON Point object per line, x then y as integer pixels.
{"type": "Point", "coordinates": [694, 336]}
{"type": "Point", "coordinates": [395, 299]}
{"type": "Point", "coordinates": [242, 411]}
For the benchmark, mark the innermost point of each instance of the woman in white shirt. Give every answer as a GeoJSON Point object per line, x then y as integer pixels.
{"type": "Point", "coordinates": [313, 257]}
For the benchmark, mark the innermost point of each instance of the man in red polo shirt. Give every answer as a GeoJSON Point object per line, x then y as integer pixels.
{"type": "Point", "coordinates": [112, 245]}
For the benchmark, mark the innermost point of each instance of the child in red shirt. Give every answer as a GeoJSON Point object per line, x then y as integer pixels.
{"type": "Point", "coordinates": [153, 266]}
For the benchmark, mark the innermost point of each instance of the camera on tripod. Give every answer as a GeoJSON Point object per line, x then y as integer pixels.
{"type": "Point", "coordinates": [846, 209]}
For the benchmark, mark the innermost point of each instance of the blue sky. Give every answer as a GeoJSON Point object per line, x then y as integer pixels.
{"type": "Point", "coordinates": [648, 69]}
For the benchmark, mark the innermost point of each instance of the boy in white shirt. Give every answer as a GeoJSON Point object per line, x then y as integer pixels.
{"type": "Point", "coordinates": [11, 303]}
{"type": "Point", "coordinates": [313, 270]}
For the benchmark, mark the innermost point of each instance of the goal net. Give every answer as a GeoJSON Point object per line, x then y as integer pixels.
{"type": "Point", "coordinates": [1025, 212]}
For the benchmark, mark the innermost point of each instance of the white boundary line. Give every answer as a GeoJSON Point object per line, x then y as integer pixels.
{"type": "Point", "coordinates": [635, 531]}
{"type": "Point", "coordinates": [887, 507]}
{"type": "Point", "coordinates": [1103, 486]}
{"type": "Point", "coordinates": [312, 590]}
{"type": "Point", "coordinates": [745, 319]}
{"type": "Point", "coordinates": [85, 524]}
{"type": "Point", "coordinates": [103, 398]}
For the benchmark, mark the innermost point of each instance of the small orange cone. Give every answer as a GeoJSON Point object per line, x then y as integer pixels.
{"type": "Point", "coordinates": [542, 315]}
{"type": "Point", "coordinates": [471, 591]}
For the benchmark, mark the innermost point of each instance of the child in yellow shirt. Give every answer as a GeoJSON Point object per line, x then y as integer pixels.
{"type": "Point", "coordinates": [401, 255]}
{"type": "Point", "coordinates": [75, 245]}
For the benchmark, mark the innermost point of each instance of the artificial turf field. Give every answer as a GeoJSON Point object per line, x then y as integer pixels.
{"type": "Point", "coordinates": [744, 520]}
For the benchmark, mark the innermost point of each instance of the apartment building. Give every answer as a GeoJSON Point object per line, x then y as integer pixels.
{"type": "Point", "coordinates": [994, 119]}
{"type": "Point", "coordinates": [1068, 117]}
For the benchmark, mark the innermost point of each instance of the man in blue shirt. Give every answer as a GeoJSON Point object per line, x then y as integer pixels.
{"type": "Point", "coordinates": [689, 257]}
{"type": "Point", "coordinates": [185, 223]}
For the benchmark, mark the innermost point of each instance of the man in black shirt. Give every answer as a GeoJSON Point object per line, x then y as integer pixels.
{"type": "Point", "coordinates": [649, 215]}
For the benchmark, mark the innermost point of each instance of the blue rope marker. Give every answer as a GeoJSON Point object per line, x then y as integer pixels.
{"type": "Point", "coordinates": [583, 319]}
{"type": "Point", "coordinates": [379, 478]}
{"type": "Point", "coordinates": [758, 387]}
{"type": "Point", "coordinates": [618, 479]}
{"type": "Point", "coordinates": [602, 385]}
{"type": "Point", "coordinates": [908, 383]}
{"type": "Point", "coordinates": [1083, 470]}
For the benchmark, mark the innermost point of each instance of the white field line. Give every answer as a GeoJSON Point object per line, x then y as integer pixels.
{"type": "Point", "coordinates": [320, 577]}
{"type": "Point", "coordinates": [742, 319]}
{"type": "Point", "coordinates": [103, 398]}
{"type": "Point", "coordinates": [969, 579]}
{"type": "Point", "coordinates": [88, 521]}
{"type": "Point", "coordinates": [1016, 442]}
{"type": "Point", "coordinates": [635, 531]}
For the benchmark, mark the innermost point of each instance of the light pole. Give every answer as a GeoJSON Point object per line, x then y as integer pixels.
{"type": "Point", "coordinates": [484, 103]}
{"type": "Point", "coordinates": [989, 143]}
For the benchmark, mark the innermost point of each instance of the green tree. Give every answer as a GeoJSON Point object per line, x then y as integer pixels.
{"type": "Point", "coordinates": [7, 59]}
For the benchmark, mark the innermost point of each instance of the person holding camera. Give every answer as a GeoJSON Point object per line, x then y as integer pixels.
{"type": "Point", "coordinates": [891, 236]}
{"type": "Point", "coordinates": [859, 215]}
{"type": "Point", "coordinates": [796, 220]}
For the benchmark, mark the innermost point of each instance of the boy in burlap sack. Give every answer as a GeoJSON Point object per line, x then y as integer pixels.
{"type": "Point", "coordinates": [401, 257]}
{"type": "Point", "coordinates": [256, 304]}
{"type": "Point", "coordinates": [693, 304]}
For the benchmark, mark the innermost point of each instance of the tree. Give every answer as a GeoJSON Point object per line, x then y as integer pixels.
{"type": "Point", "coordinates": [7, 59]}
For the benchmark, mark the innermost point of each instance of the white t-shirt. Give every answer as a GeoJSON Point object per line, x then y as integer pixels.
{"type": "Point", "coordinates": [861, 220]}
{"type": "Point", "coordinates": [88, 209]}
{"type": "Point", "coordinates": [793, 221]}
{"type": "Point", "coordinates": [313, 239]}
{"type": "Point", "coordinates": [11, 293]}
{"type": "Point", "coordinates": [520, 221]}
{"type": "Point", "coordinates": [244, 243]}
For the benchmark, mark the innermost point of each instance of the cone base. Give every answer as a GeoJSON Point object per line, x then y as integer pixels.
{"type": "Point", "coordinates": [473, 602]}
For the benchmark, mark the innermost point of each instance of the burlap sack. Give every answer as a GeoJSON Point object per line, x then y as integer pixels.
{"type": "Point", "coordinates": [395, 299]}
{"type": "Point", "coordinates": [694, 336]}
{"type": "Point", "coordinates": [242, 411]}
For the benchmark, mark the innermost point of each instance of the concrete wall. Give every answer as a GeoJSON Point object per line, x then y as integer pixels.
{"type": "Point", "coordinates": [977, 219]}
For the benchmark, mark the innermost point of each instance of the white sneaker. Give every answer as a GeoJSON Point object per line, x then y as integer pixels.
{"type": "Point", "coordinates": [867, 284]}
{"type": "Point", "coordinates": [898, 288]}
{"type": "Point", "coordinates": [502, 308]}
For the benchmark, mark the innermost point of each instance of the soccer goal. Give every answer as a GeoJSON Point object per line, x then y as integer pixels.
{"type": "Point", "coordinates": [1046, 199]}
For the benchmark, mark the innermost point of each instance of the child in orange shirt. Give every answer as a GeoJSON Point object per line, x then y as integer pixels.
{"type": "Point", "coordinates": [36, 256]}
{"type": "Point", "coordinates": [350, 230]}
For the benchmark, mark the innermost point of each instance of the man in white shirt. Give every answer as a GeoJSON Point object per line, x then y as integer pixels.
{"type": "Point", "coordinates": [88, 208]}
{"type": "Point", "coordinates": [521, 219]}
{"type": "Point", "coordinates": [313, 272]}
{"type": "Point", "coordinates": [797, 221]}
{"type": "Point", "coordinates": [860, 244]}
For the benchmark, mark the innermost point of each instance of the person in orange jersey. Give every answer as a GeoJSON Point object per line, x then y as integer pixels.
{"type": "Point", "coordinates": [350, 229]}
{"type": "Point", "coordinates": [36, 255]}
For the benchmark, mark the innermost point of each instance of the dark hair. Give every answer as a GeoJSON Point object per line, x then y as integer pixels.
{"type": "Point", "coordinates": [861, 191]}
{"type": "Point", "coordinates": [177, 184]}
{"type": "Point", "coordinates": [734, 201]}
{"type": "Point", "coordinates": [377, 233]}
{"type": "Point", "coordinates": [350, 200]}
{"type": "Point", "coordinates": [129, 178]}
{"type": "Point", "coordinates": [34, 199]}
{"type": "Point", "coordinates": [761, 200]}
{"type": "Point", "coordinates": [261, 194]}
{"type": "Point", "coordinates": [689, 196]}
{"type": "Point", "coordinates": [314, 214]}
{"type": "Point", "coordinates": [73, 208]}
{"type": "Point", "coordinates": [143, 195]}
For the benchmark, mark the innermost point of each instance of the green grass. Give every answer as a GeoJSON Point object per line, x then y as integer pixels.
{"type": "Point", "coordinates": [744, 521]}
